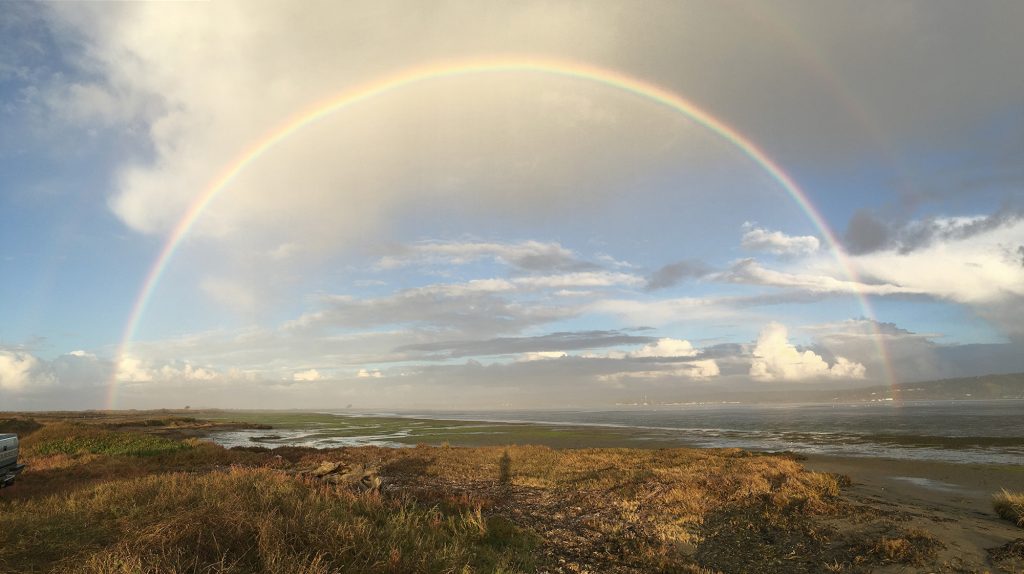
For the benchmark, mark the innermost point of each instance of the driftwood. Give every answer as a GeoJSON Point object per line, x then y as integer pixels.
{"type": "Point", "coordinates": [357, 477]}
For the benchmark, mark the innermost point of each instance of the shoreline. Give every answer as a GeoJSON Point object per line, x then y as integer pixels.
{"type": "Point", "coordinates": [957, 486]}
{"type": "Point", "coordinates": [328, 430]}
{"type": "Point", "coordinates": [950, 501]}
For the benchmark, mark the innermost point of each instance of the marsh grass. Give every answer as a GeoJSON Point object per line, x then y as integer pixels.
{"type": "Point", "coordinates": [147, 422]}
{"type": "Point", "coordinates": [1010, 506]}
{"type": "Point", "coordinates": [95, 499]}
{"type": "Point", "coordinates": [63, 438]}
{"type": "Point", "coordinates": [248, 520]}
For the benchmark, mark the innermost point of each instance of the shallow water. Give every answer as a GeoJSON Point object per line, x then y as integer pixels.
{"type": "Point", "coordinates": [985, 432]}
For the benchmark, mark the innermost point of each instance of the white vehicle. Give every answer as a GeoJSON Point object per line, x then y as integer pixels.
{"type": "Point", "coordinates": [9, 467]}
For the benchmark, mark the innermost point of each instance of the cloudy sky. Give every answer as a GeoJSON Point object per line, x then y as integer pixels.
{"type": "Point", "coordinates": [505, 238]}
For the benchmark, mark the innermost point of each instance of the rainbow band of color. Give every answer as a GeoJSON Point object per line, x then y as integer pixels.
{"type": "Point", "coordinates": [452, 69]}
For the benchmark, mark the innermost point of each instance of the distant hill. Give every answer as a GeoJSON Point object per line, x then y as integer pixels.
{"type": "Point", "coordinates": [985, 387]}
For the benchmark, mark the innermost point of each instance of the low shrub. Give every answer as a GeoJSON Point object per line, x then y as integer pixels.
{"type": "Point", "coordinates": [1010, 505]}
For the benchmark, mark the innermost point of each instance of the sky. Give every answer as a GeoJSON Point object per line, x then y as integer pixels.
{"type": "Point", "coordinates": [529, 204]}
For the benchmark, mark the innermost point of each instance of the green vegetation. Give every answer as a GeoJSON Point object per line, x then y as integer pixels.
{"type": "Point", "coordinates": [142, 499]}
{"type": "Point", "coordinates": [1010, 505]}
{"type": "Point", "coordinates": [81, 439]}
{"type": "Point", "coordinates": [164, 422]}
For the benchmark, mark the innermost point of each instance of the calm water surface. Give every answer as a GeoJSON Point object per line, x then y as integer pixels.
{"type": "Point", "coordinates": [987, 432]}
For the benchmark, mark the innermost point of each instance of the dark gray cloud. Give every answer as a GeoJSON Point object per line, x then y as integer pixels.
{"type": "Point", "coordinates": [675, 273]}
{"type": "Point", "coordinates": [1007, 315]}
{"type": "Point", "coordinates": [551, 263]}
{"type": "Point", "coordinates": [990, 358]}
{"type": "Point", "coordinates": [868, 232]}
{"type": "Point", "coordinates": [853, 90]}
{"type": "Point", "coordinates": [913, 356]}
{"type": "Point", "coordinates": [475, 309]}
{"type": "Point", "coordinates": [996, 174]}
{"type": "Point", "coordinates": [919, 234]}
{"type": "Point", "coordinates": [567, 341]}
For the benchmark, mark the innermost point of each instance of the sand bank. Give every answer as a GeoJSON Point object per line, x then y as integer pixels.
{"type": "Point", "coordinates": [952, 502]}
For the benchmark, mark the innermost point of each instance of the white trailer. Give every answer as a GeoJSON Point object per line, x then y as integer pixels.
{"type": "Point", "coordinates": [9, 467]}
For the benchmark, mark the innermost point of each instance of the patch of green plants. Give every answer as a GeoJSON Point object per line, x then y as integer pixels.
{"type": "Point", "coordinates": [82, 439]}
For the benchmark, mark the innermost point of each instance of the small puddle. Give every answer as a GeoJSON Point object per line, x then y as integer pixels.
{"type": "Point", "coordinates": [929, 483]}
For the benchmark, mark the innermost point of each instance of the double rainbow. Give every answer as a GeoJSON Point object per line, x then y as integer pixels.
{"type": "Point", "coordinates": [451, 69]}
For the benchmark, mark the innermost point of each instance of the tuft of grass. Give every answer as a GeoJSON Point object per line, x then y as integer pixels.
{"type": "Point", "coordinates": [912, 547]}
{"type": "Point", "coordinates": [1010, 506]}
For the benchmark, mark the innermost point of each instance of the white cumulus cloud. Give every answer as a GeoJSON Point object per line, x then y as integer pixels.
{"type": "Point", "coordinates": [18, 370]}
{"type": "Point", "coordinates": [542, 356]}
{"type": "Point", "coordinates": [777, 242]}
{"type": "Point", "coordinates": [132, 369]}
{"type": "Point", "coordinates": [776, 359]}
{"type": "Point", "coordinates": [665, 348]}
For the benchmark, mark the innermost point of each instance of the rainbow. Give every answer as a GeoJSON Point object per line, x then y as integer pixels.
{"type": "Point", "coordinates": [452, 69]}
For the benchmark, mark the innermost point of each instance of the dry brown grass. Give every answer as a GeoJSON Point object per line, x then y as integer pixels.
{"type": "Point", "coordinates": [912, 547]}
{"type": "Point", "coordinates": [99, 497]}
{"type": "Point", "coordinates": [1010, 505]}
{"type": "Point", "coordinates": [628, 509]}
{"type": "Point", "coordinates": [242, 520]}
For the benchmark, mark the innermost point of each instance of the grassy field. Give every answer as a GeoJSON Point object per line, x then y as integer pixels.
{"type": "Point", "coordinates": [122, 493]}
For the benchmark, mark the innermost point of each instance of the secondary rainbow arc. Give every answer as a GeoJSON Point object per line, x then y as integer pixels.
{"type": "Point", "coordinates": [449, 69]}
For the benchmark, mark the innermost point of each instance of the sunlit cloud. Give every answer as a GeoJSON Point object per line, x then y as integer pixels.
{"type": "Point", "coordinates": [750, 271]}
{"type": "Point", "coordinates": [19, 369]}
{"type": "Point", "coordinates": [307, 375]}
{"type": "Point", "coordinates": [702, 370]}
{"type": "Point", "coordinates": [776, 242]}
{"type": "Point", "coordinates": [776, 359]}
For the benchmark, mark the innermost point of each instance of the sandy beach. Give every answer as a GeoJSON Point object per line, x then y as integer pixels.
{"type": "Point", "coordinates": [952, 502]}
